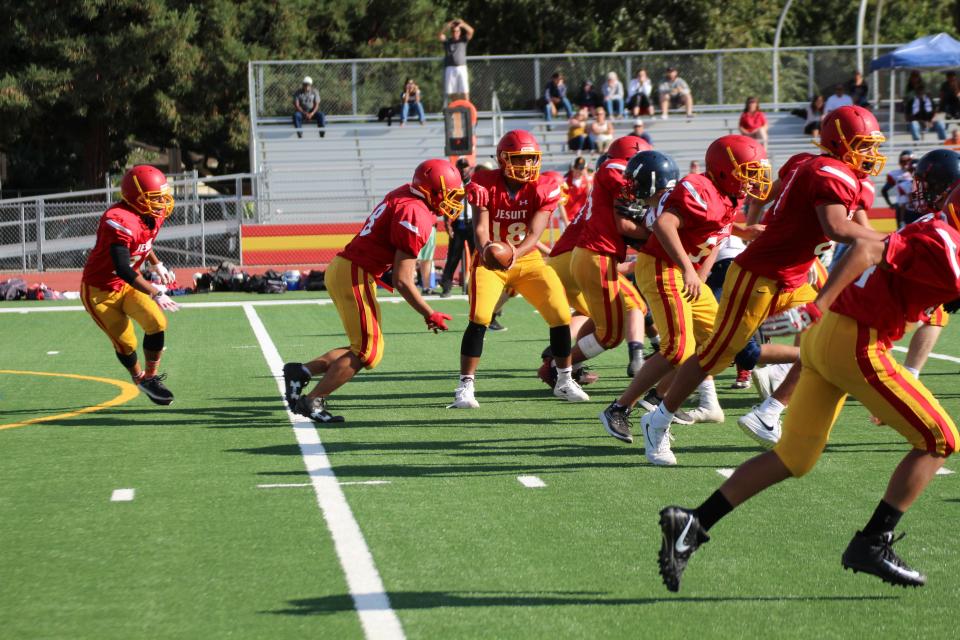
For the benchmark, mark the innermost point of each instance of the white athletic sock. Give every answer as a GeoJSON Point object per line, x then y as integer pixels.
{"type": "Point", "coordinates": [915, 372]}
{"type": "Point", "coordinates": [771, 406]}
{"type": "Point", "coordinates": [564, 375]}
{"type": "Point", "coordinates": [708, 394]}
{"type": "Point", "coordinates": [662, 417]}
{"type": "Point", "coordinates": [466, 378]}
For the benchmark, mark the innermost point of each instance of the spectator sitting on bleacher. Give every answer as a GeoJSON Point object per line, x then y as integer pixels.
{"type": "Point", "coordinates": [638, 95]}
{"type": "Point", "coordinates": [577, 137]}
{"type": "Point", "coordinates": [813, 113]}
{"type": "Point", "coordinates": [950, 96]}
{"type": "Point", "coordinates": [914, 84]}
{"type": "Point", "coordinates": [674, 92]}
{"type": "Point", "coordinates": [837, 99]}
{"type": "Point", "coordinates": [306, 101]}
{"type": "Point", "coordinates": [953, 142]}
{"type": "Point", "coordinates": [589, 97]}
{"type": "Point", "coordinates": [613, 95]}
{"type": "Point", "coordinates": [919, 111]}
{"type": "Point", "coordinates": [410, 98]}
{"type": "Point", "coordinates": [555, 96]}
{"type": "Point", "coordinates": [753, 122]}
{"type": "Point", "coordinates": [639, 132]}
{"type": "Point", "coordinates": [858, 90]}
{"type": "Point", "coordinates": [694, 167]}
{"type": "Point", "coordinates": [601, 131]}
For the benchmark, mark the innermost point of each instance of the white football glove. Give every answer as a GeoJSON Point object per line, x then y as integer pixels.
{"type": "Point", "coordinates": [166, 303]}
{"type": "Point", "coordinates": [794, 320]}
{"type": "Point", "coordinates": [166, 276]}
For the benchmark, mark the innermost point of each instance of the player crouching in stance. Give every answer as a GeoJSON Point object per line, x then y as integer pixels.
{"type": "Point", "coordinates": [878, 287]}
{"type": "Point", "coordinates": [393, 235]}
{"type": "Point", "coordinates": [691, 221]}
{"type": "Point", "coordinates": [112, 289]}
{"type": "Point", "coordinates": [513, 205]}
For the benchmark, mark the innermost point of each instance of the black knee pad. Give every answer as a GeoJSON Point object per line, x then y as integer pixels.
{"type": "Point", "coordinates": [153, 341]}
{"type": "Point", "coordinates": [472, 343]}
{"type": "Point", "coordinates": [128, 359]}
{"type": "Point", "coordinates": [560, 341]}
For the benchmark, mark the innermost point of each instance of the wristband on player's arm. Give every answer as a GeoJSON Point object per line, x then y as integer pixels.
{"type": "Point", "coordinates": [120, 254]}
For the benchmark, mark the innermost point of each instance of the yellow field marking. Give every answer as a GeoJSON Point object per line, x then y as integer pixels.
{"type": "Point", "coordinates": [128, 391]}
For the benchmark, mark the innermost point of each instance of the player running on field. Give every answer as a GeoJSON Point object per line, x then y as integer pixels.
{"type": "Point", "coordinates": [395, 232]}
{"type": "Point", "coordinates": [877, 288]}
{"type": "Point", "coordinates": [691, 221]}
{"type": "Point", "coordinates": [818, 197]}
{"type": "Point", "coordinates": [513, 204]}
{"type": "Point", "coordinates": [112, 290]}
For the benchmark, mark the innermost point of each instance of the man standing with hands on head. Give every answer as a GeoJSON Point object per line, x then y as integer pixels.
{"type": "Point", "coordinates": [455, 82]}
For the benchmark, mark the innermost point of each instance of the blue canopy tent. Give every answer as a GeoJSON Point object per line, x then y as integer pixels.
{"type": "Point", "coordinates": [929, 52]}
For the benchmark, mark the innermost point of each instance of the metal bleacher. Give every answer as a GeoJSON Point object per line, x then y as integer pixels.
{"type": "Point", "coordinates": [342, 176]}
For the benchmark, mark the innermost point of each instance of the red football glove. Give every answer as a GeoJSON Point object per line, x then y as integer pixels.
{"type": "Point", "coordinates": [437, 321]}
{"type": "Point", "coordinates": [477, 195]}
{"type": "Point", "coordinates": [795, 320]}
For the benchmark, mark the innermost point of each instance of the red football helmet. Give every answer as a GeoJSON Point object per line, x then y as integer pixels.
{"type": "Point", "coordinates": [626, 147]}
{"type": "Point", "coordinates": [951, 209]}
{"type": "Point", "coordinates": [145, 189]}
{"type": "Point", "coordinates": [852, 134]}
{"type": "Point", "coordinates": [441, 186]}
{"type": "Point", "coordinates": [518, 155]}
{"type": "Point", "coordinates": [739, 167]}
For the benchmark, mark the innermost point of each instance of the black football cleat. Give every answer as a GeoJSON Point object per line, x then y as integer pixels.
{"type": "Point", "coordinates": [154, 389]}
{"type": "Point", "coordinates": [316, 410]}
{"type": "Point", "coordinates": [874, 554]}
{"type": "Point", "coordinates": [682, 535]}
{"type": "Point", "coordinates": [616, 421]}
{"type": "Point", "coordinates": [295, 380]}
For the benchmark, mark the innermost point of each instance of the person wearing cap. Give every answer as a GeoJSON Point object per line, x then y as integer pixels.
{"type": "Point", "coordinates": [674, 93]}
{"type": "Point", "coordinates": [613, 95]}
{"type": "Point", "coordinates": [306, 101]}
{"type": "Point", "coordinates": [459, 231]}
{"type": "Point", "coordinates": [639, 132]}
{"type": "Point", "coordinates": [900, 180]}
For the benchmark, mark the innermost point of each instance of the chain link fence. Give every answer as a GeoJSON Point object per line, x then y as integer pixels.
{"type": "Point", "coordinates": [720, 78]}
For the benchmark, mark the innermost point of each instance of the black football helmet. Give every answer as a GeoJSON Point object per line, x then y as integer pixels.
{"type": "Point", "coordinates": [649, 172]}
{"type": "Point", "coordinates": [934, 175]}
{"type": "Point", "coordinates": [603, 158]}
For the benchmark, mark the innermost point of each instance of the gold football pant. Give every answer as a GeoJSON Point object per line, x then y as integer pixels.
{"type": "Point", "coordinates": [561, 264]}
{"type": "Point", "coordinates": [354, 293]}
{"type": "Point", "coordinates": [841, 356]}
{"type": "Point", "coordinates": [112, 311]}
{"type": "Point", "coordinates": [683, 324]}
{"type": "Point", "coordinates": [531, 278]}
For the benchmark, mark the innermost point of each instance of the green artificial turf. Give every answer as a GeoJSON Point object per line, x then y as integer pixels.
{"type": "Point", "coordinates": [464, 550]}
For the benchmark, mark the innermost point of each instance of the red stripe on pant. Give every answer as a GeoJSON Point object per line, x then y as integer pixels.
{"type": "Point", "coordinates": [738, 313]}
{"type": "Point", "coordinates": [607, 308]}
{"type": "Point", "coordinates": [473, 286]}
{"type": "Point", "coordinates": [665, 301]}
{"type": "Point", "coordinates": [375, 328]}
{"type": "Point", "coordinates": [681, 339]}
{"type": "Point", "coordinates": [615, 279]}
{"type": "Point", "coordinates": [364, 336]}
{"type": "Point", "coordinates": [89, 306]}
{"type": "Point", "coordinates": [871, 378]}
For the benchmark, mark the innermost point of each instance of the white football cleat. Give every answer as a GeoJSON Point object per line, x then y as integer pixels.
{"type": "Point", "coordinates": [765, 430]}
{"type": "Point", "coordinates": [706, 414]}
{"type": "Point", "coordinates": [571, 392]}
{"type": "Point", "coordinates": [656, 443]}
{"type": "Point", "coordinates": [463, 397]}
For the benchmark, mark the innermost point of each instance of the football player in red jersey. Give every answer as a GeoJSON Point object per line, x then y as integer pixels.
{"type": "Point", "coordinates": [691, 221]}
{"type": "Point", "coordinates": [112, 289]}
{"type": "Point", "coordinates": [393, 235]}
{"type": "Point", "coordinates": [818, 196]}
{"type": "Point", "coordinates": [878, 287]}
{"type": "Point", "coordinates": [513, 204]}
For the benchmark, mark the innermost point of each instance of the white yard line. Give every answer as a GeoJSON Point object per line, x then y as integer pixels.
{"type": "Point", "coordinates": [122, 495]}
{"type": "Point", "coordinates": [531, 482]}
{"type": "Point", "coordinates": [294, 485]}
{"type": "Point", "coordinates": [935, 356]}
{"type": "Point", "coordinates": [366, 588]}
{"type": "Point", "coordinates": [226, 303]}
{"type": "Point", "coordinates": [726, 473]}
{"type": "Point", "coordinates": [52, 353]}
{"type": "Point", "coordinates": [943, 471]}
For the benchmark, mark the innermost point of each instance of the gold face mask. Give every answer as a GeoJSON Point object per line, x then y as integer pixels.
{"type": "Point", "coordinates": [451, 202]}
{"type": "Point", "coordinates": [158, 204]}
{"type": "Point", "coordinates": [522, 166]}
{"type": "Point", "coordinates": [755, 176]}
{"type": "Point", "coordinates": [862, 152]}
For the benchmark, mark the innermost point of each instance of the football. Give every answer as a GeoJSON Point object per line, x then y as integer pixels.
{"type": "Point", "coordinates": [498, 256]}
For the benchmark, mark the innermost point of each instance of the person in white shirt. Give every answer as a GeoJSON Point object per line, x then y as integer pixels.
{"type": "Point", "coordinates": [837, 100]}
{"type": "Point", "coordinates": [901, 181]}
{"type": "Point", "coordinates": [638, 95]}
{"type": "Point", "coordinates": [613, 95]}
